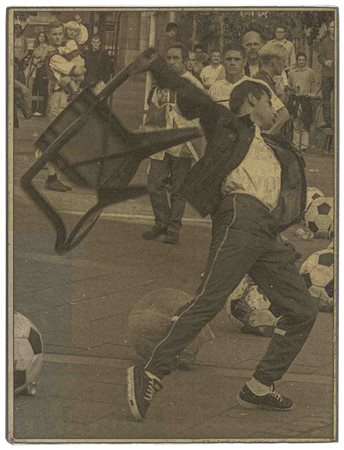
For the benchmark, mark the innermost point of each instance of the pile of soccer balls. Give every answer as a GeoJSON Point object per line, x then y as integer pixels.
{"type": "Point", "coordinates": [319, 213]}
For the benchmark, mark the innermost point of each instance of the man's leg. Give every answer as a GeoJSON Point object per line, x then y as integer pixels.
{"type": "Point", "coordinates": [278, 278]}
{"type": "Point", "coordinates": [180, 167]}
{"type": "Point", "coordinates": [235, 254]}
{"type": "Point", "coordinates": [327, 85]}
{"type": "Point", "coordinates": [57, 103]}
{"type": "Point", "coordinates": [158, 172]}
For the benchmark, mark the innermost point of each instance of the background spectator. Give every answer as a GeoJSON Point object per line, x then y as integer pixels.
{"type": "Point", "coordinates": [36, 75]}
{"type": "Point", "coordinates": [82, 38]}
{"type": "Point", "coordinates": [252, 43]}
{"type": "Point", "coordinates": [20, 46]}
{"type": "Point", "coordinates": [174, 162]}
{"type": "Point", "coordinates": [214, 71]}
{"type": "Point", "coordinates": [326, 59]}
{"type": "Point", "coordinates": [288, 45]}
{"type": "Point", "coordinates": [167, 39]}
{"type": "Point", "coordinates": [98, 63]}
{"type": "Point", "coordinates": [303, 84]}
{"type": "Point", "coordinates": [202, 59]}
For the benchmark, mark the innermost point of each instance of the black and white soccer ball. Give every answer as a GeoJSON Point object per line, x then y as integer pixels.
{"type": "Point", "coordinates": [319, 216]}
{"type": "Point", "coordinates": [317, 271]}
{"type": "Point", "coordinates": [28, 354]}
{"type": "Point", "coordinates": [313, 193]}
{"type": "Point", "coordinates": [251, 313]}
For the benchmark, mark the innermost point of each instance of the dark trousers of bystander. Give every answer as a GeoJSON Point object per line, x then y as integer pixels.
{"type": "Point", "coordinates": [244, 240]}
{"type": "Point", "coordinates": [167, 214]}
{"type": "Point", "coordinates": [327, 85]}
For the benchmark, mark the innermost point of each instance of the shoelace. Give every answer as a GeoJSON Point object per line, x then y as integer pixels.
{"type": "Point", "coordinates": [276, 395]}
{"type": "Point", "coordinates": [152, 387]}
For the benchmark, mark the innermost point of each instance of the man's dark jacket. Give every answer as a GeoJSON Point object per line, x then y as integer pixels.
{"type": "Point", "coordinates": [228, 141]}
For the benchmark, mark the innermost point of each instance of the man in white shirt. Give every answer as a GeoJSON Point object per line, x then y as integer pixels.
{"type": "Point", "coordinates": [61, 73]}
{"type": "Point", "coordinates": [234, 62]}
{"type": "Point", "coordinates": [244, 240]}
{"type": "Point", "coordinates": [303, 85]}
{"type": "Point", "coordinates": [282, 80]}
{"type": "Point", "coordinates": [288, 45]}
{"type": "Point", "coordinates": [173, 163]}
{"type": "Point", "coordinates": [214, 71]}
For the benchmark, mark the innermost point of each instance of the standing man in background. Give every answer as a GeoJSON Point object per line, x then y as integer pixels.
{"type": "Point", "coordinates": [214, 71]}
{"type": "Point", "coordinates": [201, 59]}
{"type": "Point", "coordinates": [303, 85]}
{"type": "Point", "coordinates": [252, 43]}
{"type": "Point", "coordinates": [61, 74]}
{"type": "Point", "coordinates": [234, 62]}
{"type": "Point", "coordinates": [98, 63]}
{"type": "Point", "coordinates": [282, 79]}
{"type": "Point", "coordinates": [273, 59]}
{"type": "Point", "coordinates": [174, 162]}
{"type": "Point", "coordinates": [168, 39]}
{"type": "Point", "coordinates": [326, 59]}
{"type": "Point", "coordinates": [280, 39]}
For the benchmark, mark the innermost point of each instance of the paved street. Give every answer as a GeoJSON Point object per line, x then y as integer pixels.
{"type": "Point", "coordinates": [81, 302]}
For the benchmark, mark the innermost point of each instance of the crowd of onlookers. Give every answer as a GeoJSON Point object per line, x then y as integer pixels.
{"type": "Point", "coordinates": [294, 89]}
{"type": "Point", "coordinates": [65, 59]}
{"type": "Point", "coordinates": [303, 91]}
{"type": "Point", "coordinates": [63, 62]}
{"type": "Point", "coordinates": [35, 68]}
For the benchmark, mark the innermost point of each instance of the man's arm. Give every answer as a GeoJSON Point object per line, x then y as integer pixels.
{"type": "Point", "coordinates": [59, 64]}
{"type": "Point", "coordinates": [292, 56]}
{"type": "Point", "coordinates": [192, 102]}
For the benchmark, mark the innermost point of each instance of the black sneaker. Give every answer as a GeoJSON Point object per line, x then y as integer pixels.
{"type": "Point", "coordinates": [171, 238]}
{"type": "Point", "coordinates": [140, 390]}
{"type": "Point", "coordinates": [54, 184]}
{"type": "Point", "coordinates": [154, 233]}
{"type": "Point", "coordinates": [273, 400]}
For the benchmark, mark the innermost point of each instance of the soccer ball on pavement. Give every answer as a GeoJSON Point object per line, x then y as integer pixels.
{"type": "Point", "coordinates": [312, 194]}
{"type": "Point", "coordinates": [152, 317]}
{"type": "Point", "coordinates": [319, 216]}
{"type": "Point", "coordinates": [28, 354]}
{"type": "Point", "coordinates": [251, 312]}
{"type": "Point", "coordinates": [317, 271]}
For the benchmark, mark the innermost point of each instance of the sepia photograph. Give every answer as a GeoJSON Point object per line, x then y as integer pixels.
{"type": "Point", "coordinates": [172, 224]}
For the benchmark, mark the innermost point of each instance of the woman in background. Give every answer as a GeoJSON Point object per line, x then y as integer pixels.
{"type": "Point", "coordinates": [37, 78]}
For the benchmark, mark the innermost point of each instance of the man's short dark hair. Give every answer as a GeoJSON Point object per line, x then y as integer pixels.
{"type": "Point", "coordinates": [301, 54]}
{"type": "Point", "coordinates": [182, 48]}
{"type": "Point", "coordinates": [241, 91]}
{"type": "Point", "coordinates": [53, 25]}
{"type": "Point", "coordinates": [96, 37]}
{"type": "Point", "coordinates": [171, 26]}
{"type": "Point", "coordinates": [235, 47]}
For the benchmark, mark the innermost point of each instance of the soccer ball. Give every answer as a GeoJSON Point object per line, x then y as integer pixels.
{"type": "Point", "coordinates": [312, 194]}
{"type": "Point", "coordinates": [319, 216]}
{"type": "Point", "coordinates": [240, 290]}
{"type": "Point", "coordinates": [152, 317]}
{"type": "Point", "coordinates": [251, 313]}
{"type": "Point", "coordinates": [28, 354]}
{"type": "Point", "coordinates": [317, 271]}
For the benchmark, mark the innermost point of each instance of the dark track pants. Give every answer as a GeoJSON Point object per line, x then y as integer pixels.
{"type": "Point", "coordinates": [327, 86]}
{"type": "Point", "coordinates": [244, 241]}
{"type": "Point", "coordinates": [177, 168]}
